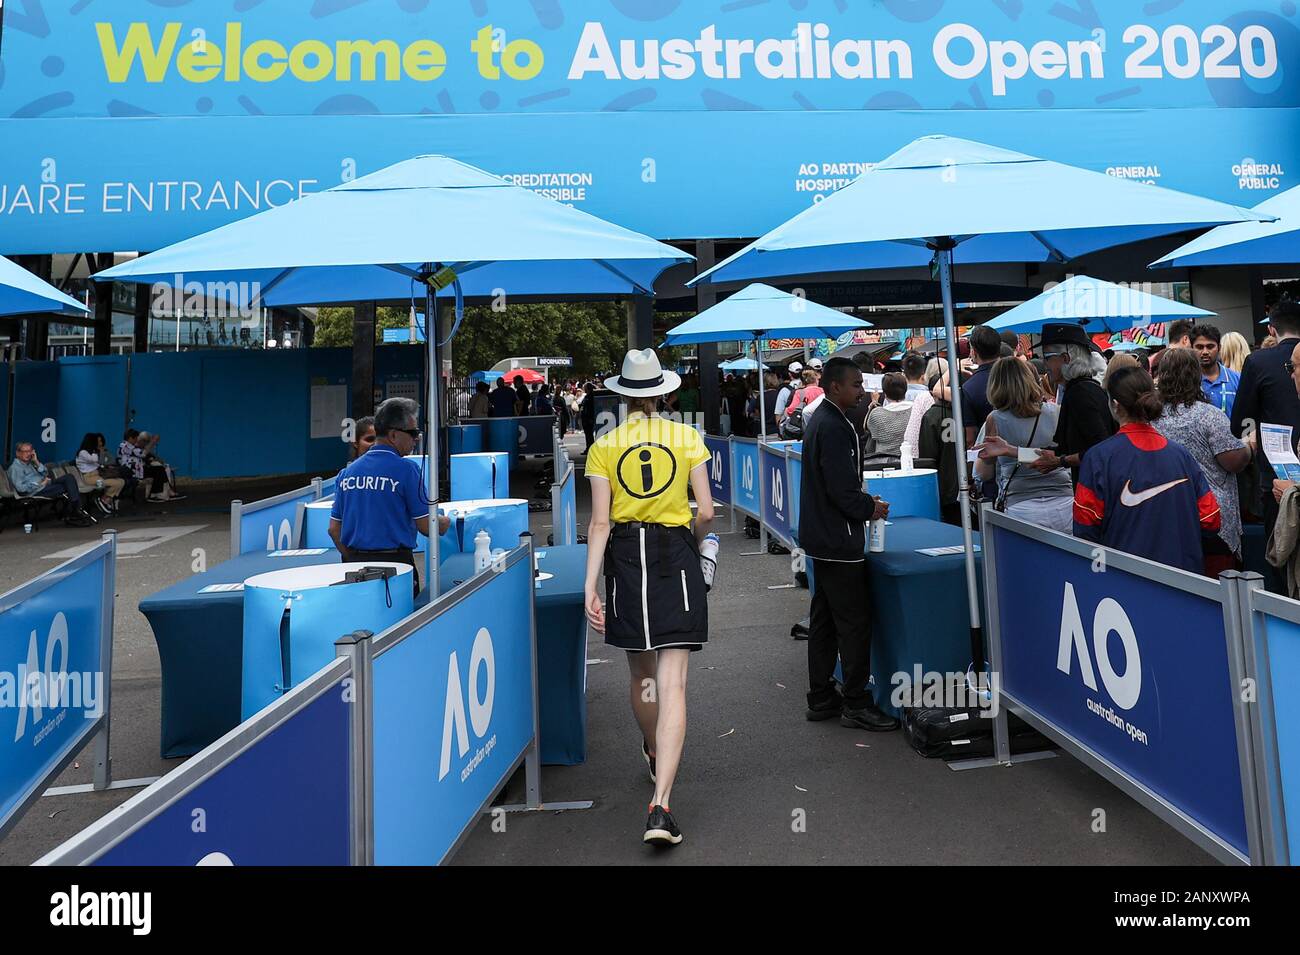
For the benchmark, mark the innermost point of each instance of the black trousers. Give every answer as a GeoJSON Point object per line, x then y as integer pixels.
{"type": "Point", "coordinates": [839, 626]}
{"type": "Point", "coordinates": [63, 486]}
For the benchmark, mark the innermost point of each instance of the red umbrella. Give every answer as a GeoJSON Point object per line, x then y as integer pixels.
{"type": "Point", "coordinates": [529, 376]}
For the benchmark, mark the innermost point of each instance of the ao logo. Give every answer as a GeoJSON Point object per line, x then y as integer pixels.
{"type": "Point", "coordinates": [717, 467]}
{"type": "Point", "coordinates": [747, 475]}
{"type": "Point", "coordinates": [480, 710]}
{"type": "Point", "coordinates": [778, 491]}
{"type": "Point", "coordinates": [1124, 688]}
{"type": "Point", "coordinates": [523, 437]}
{"type": "Point", "coordinates": [47, 681]}
{"type": "Point", "coordinates": [282, 540]}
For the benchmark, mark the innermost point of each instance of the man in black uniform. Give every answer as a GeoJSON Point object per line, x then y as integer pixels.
{"type": "Point", "coordinates": [834, 510]}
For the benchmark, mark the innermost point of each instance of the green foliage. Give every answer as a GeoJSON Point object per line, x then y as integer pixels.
{"type": "Point", "coordinates": [593, 334]}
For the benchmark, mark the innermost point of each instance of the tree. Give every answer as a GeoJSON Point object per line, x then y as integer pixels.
{"type": "Point", "coordinates": [334, 325]}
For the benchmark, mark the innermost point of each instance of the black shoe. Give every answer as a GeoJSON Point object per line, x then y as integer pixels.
{"type": "Point", "coordinates": [104, 506]}
{"type": "Point", "coordinates": [661, 829]}
{"type": "Point", "coordinates": [826, 711]}
{"type": "Point", "coordinates": [649, 760]}
{"type": "Point", "coordinates": [800, 630]}
{"type": "Point", "coordinates": [78, 519]}
{"type": "Point", "coordinates": [868, 717]}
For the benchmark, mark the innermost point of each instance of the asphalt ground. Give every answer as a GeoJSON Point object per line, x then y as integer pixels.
{"type": "Point", "coordinates": [758, 784]}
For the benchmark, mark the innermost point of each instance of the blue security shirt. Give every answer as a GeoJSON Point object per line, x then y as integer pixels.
{"type": "Point", "coordinates": [378, 499]}
{"type": "Point", "coordinates": [1223, 391]}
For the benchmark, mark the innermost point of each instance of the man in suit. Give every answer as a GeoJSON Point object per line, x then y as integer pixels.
{"type": "Point", "coordinates": [1267, 395]}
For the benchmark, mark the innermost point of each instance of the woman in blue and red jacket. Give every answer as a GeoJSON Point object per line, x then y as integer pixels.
{"type": "Point", "coordinates": [1139, 492]}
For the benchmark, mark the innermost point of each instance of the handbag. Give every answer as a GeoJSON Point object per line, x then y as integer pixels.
{"type": "Point", "coordinates": [1000, 505]}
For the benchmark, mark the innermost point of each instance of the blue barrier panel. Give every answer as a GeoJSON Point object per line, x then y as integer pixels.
{"type": "Point", "coordinates": [776, 496]}
{"type": "Point", "coordinates": [564, 504]}
{"type": "Point", "coordinates": [35, 403]}
{"type": "Point", "coordinates": [719, 468]}
{"type": "Point", "coordinates": [535, 434]}
{"type": "Point", "coordinates": [272, 524]}
{"type": "Point", "coordinates": [454, 683]}
{"type": "Point", "coordinates": [744, 476]}
{"type": "Point", "coordinates": [794, 470]}
{"type": "Point", "coordinates": [1273, 652]}
{"type": "Point", "coordinates": [56, 637]}
{"type": "Point", "coordinates": [272, 791]}
{"type": "Point", "coordinates": [1092, 659]}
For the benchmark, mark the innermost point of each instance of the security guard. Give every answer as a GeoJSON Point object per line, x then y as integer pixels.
{"type": "Point", "coordinates": [641, 530]}
{"type": "Point", "coordinates": [380, 502]}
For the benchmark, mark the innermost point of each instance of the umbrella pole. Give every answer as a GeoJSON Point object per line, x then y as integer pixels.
{"type": "Point", "coordinates": [762, 430]}
{"type": "Point", "coordinates": [432, 329]}
{"type": "Point", "coordinates": [944, 249]}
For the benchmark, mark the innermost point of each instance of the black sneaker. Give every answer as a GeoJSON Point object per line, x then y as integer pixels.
{"type": "Point", "coordinates": [649, 760]}
{"type": "Point", "coordinates": [825, 711]}
{"type": "Point", "coordinates": [868, 717]}
{"type": "Point", "coordinates": [661, 829]}
{"type": "Point", "coordinates": [103, 506]}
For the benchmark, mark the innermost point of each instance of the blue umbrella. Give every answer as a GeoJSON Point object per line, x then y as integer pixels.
{"type": "Point", "coordinates": [1096, 305]}
{"type": "Point", "coordinates": [431, 223]}
{"type": "Point", "coordinates": [1247, 243]}
{"type": "Point", "coordinates": [939, 194]}
{"type": "Point", "coordinates": [740, 364]}
{"type": "Point", "coordinates": [22, 293]}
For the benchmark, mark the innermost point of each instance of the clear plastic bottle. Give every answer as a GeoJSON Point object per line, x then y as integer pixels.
{"type": "Point", "coordinates": [709, 559]}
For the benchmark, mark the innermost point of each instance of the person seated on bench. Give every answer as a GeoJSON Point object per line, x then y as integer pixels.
{"type": "Point", "coordinates": [30, 479]}
{"type": "Point", "coordinates": [89, 461]}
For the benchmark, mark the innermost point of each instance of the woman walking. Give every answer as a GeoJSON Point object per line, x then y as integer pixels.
{"type": "Point", "coordinates": [640, 529]}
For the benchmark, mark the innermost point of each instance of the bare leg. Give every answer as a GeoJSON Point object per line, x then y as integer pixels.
{"type": "Point", "coordinates": [644, 695]}
{"type": "Point", "coordinates": [670, 734]}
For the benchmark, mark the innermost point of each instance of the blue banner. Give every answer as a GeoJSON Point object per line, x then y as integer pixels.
{"type": "Point", "coordinates": [458, 692]}
{"type": "Point", "coordinates": [776, 494]}
{"type": "Point", "coordinates": [719, 468]}
{"type": "Point", "coordinates": [1094, 654]}
{"type": "Point", "coordinates": [744, 477]}
{"type": "Point", "coordinates": [202, 114]}
{"type": "Point", "coordinates": [282, 801]}
{"type": "Point", "coordinates": [273, 527]}
{"type": "Point", "coordinates": [52, 681]}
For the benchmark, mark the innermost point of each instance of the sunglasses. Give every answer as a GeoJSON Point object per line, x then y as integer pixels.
{"type": "Point", "coordinates": [1289, 366]}
{"type": "Point", "coordinates": [413, 432]}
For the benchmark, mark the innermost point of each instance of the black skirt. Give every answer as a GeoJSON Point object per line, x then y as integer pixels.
{"type": "Point", "coordinates": [654, 589]}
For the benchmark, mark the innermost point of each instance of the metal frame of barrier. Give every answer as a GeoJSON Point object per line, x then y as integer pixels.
{"type": "Point", "coordinates": [238, 509]}
{"type": "Point", "coordinates": [365, 648]}
{"type": "Point", "coordinates": [101, 836]}
{"type": "Point", "coordinates": [1227, 591]}
{"type": "Point", "coordinates": [1257, 607]}
{"type": "Point", "coordinates": [106, 550]}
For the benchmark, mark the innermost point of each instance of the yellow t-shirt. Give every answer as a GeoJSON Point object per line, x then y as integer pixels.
{"type": "Point", "coordinates": [648, 463]}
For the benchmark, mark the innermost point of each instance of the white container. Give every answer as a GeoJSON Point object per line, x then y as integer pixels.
{"type": "Point", "coordinates": [877, 543]}
{"type": "Point", "coordinates": [905, 456]}
{"type": "Point", "coordinates": [482, 551]}
{"type": "Point", "coordinates": [709, 560]}
{"type": "Point", "coordinates": [27, 528]}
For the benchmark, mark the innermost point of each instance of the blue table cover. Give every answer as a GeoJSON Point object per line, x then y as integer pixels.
{"type": "Point", "coordinates": [561, 648]}
{"type": "Point", "coordinates": [200, 641]}
{"type": "Point", "coordinates": [919, 613]}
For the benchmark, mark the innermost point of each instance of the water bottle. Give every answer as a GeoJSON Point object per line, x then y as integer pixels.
{"type": "Point", "coordinates": [905, 457]}
{"type": "Point", "coordinates": [877, 545]}
{"type": "Point", "coordinates": [709, 560]}
{"type": "Point", "coordinates": [482, 551]}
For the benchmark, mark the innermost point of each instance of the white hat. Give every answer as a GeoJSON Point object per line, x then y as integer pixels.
{"type": "Point", "coordinates": [643, 377]}
{"type": "Point", "coordinates": [796, 367]}
{"type": "Point", "coordinates": [815, 363]}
